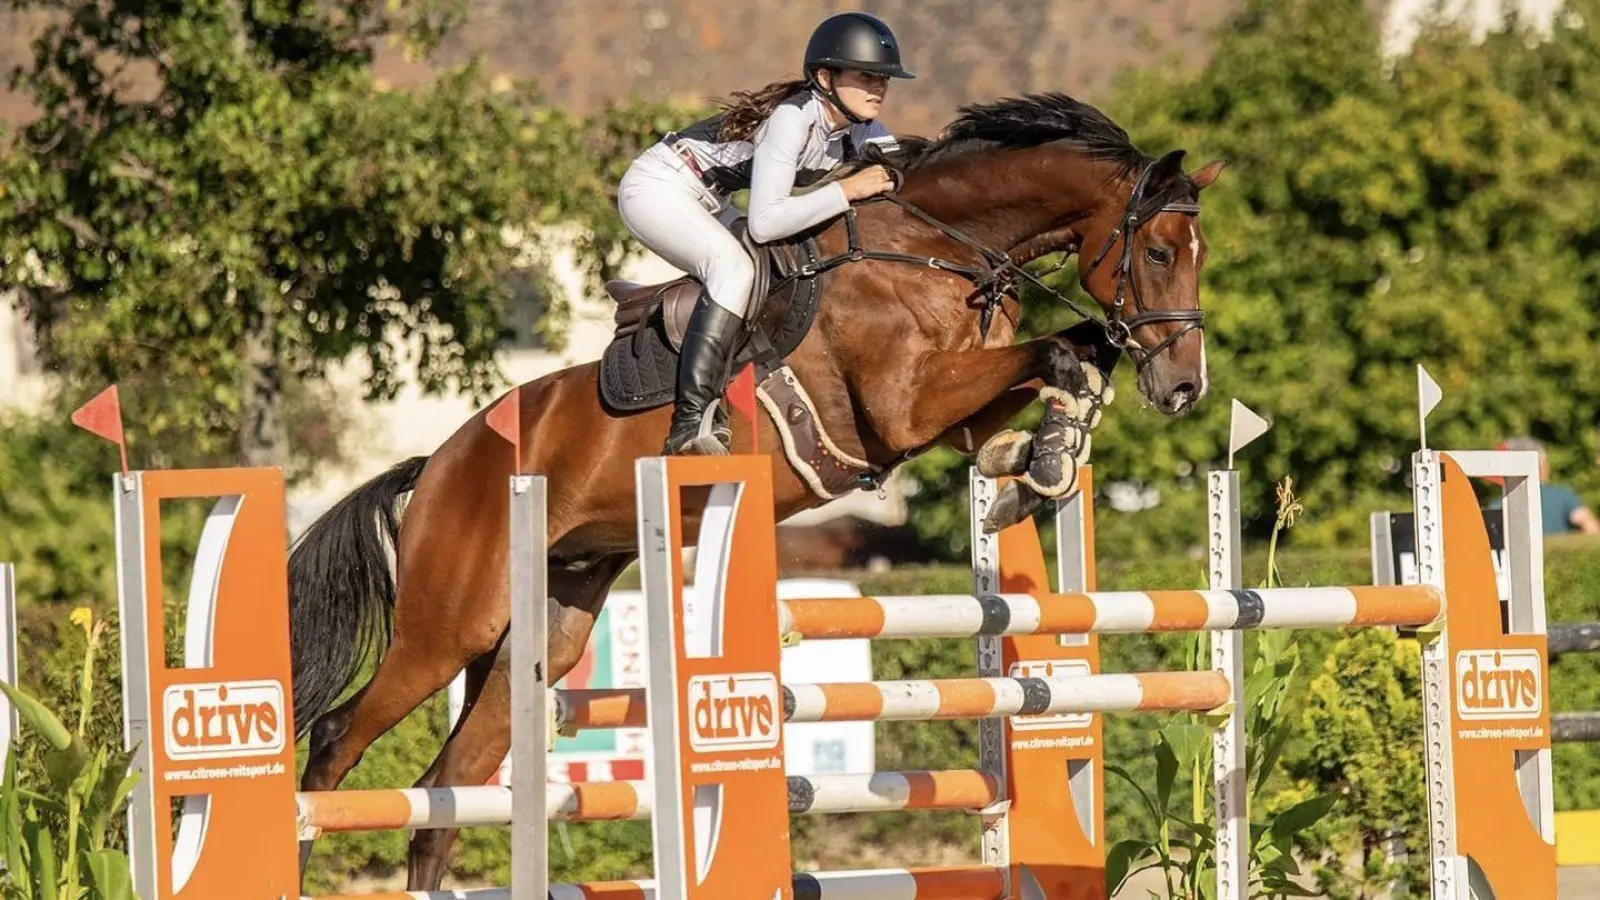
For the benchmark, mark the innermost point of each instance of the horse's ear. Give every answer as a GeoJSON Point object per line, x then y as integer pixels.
{"type": "Point", "coordinates": [1207, 175]}
{"type": "Point", "coordinates": [1164, 171]}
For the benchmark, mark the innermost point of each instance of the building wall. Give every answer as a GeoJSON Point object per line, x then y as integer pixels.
{"type": "Point", "coordinates": [1403, 20]}
{"type": "Point", "coordinates": [22, 381]}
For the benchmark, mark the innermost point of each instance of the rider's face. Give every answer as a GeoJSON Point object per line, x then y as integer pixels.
{"type": "Point", "coordinates": [862, 92]}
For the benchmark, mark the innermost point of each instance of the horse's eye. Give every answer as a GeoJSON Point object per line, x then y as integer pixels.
{"type": "Point", "coordinates": [1158, 256]}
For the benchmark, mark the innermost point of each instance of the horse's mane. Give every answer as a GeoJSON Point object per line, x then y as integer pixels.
{"type": "Point", "coordinates": [1014, 123]}
{"type": "Point", "coordinates": [1019, 122]}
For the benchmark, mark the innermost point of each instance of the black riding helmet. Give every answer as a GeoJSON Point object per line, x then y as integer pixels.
{"type": "Point", "coordinates": [852, 40]}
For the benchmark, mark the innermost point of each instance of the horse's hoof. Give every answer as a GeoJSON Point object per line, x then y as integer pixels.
{"type": "Point", "coordinates": [1005, 454]}
{"type": "Point", "coordinates": [1012, 504]}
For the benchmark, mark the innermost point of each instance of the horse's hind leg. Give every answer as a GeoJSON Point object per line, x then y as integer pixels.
{"type": "Point", "coordinates": [408, 674]}
{"type": "Point", "coordinates": [483, 736]}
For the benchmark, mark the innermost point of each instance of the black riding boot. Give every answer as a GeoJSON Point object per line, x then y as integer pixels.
{"type": "Point", "coordinates": [708, 345]}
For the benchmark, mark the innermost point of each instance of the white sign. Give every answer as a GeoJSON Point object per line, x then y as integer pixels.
{"type": "Point", "coordinates": [820, 748]}
{"type": "Point", "coordinates": [1050, 668]}
{"type": "Point", "coordinates": [734, 712]}
{"type": "Point", "coordinates": [617, 657]}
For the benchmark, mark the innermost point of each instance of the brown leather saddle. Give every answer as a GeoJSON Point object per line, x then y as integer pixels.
{"type": "Point", "coordinates": [638, 369]}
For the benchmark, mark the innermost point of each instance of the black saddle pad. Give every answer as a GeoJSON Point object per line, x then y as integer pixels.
{"type": "Point", "coordinates": [640, 371]}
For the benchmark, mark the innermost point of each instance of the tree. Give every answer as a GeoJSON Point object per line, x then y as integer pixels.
{"type": "Point", "coordinates": [253, 207]}
{"type": "Point", "coordinates": [1434, 208]}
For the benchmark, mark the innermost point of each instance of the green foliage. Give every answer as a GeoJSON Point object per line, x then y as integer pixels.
{"type": "Point", "coordinates": [1185, 746]}
{"type": "Point", "coordinates": [55, 503]}
{"type": "Point", "coordinates": [56, 840]}
{"type": "Point", "coordinates": [268, 210]}
{"type": "Point", "coordinates": [1361, 725]}
{"type": "Point", "coordinates": [56, 512]}
{"type": "Point", "coordinates": [612, 138]}
{"type": "Point", "coordinates": [1437, 208]}
{"type": "Point", "coordinates": [1191, 873]}
{"type": "Point", "coordinates": [1572, 591]}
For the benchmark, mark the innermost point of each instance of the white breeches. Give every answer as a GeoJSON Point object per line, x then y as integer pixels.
{"type": "Point", "coordinates": [666, 208]}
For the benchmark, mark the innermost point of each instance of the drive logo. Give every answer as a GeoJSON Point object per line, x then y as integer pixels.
{"type": "Point", "coordinates": [734, 712]}
{"type": "Point", "coordinates": [1499, 684]}
{"type": "Point", "coordinates": [223, 719]}
{"type": "Point", "coordinates": [1050, 669]}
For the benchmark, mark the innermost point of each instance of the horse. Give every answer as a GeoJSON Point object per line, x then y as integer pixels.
{"type": "Point", "coordinates": [903, 351]}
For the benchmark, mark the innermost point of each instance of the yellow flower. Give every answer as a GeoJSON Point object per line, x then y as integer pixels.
{"type": "Point", "coordinates": [82, 617]}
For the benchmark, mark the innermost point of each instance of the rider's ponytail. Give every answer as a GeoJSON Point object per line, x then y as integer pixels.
{"type": "Point", "coordinates": [744, 113]}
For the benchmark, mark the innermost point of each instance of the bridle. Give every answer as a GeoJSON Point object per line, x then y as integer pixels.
{"type": "Point", "coordinates": [1119, 329]}
{"type": "Point", "coordinates": [999, 279]}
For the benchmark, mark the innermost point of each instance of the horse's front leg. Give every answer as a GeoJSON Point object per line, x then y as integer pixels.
{"type": "Point", "coordinates": [1045, 461]}
{"type": "Point", "coordinates": [957, 392]}
{"type": "Point", "coordinates": [1040, 456]}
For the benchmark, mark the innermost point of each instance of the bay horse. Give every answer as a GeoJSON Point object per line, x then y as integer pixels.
{"type": "Point", "coordinates": [900, 357]}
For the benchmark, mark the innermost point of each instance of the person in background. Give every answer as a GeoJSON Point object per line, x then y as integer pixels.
{"type": "Point", "coordinates": [1563, 510]}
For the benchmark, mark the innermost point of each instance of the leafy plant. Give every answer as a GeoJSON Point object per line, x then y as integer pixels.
{"type": "Point", "coordinates": [86, 787]}
{"type": "Point", "coordinates": [1188, 858]}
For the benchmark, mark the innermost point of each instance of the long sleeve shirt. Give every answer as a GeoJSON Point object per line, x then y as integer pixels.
{"type": "Point", "coordinates": [795, 145]}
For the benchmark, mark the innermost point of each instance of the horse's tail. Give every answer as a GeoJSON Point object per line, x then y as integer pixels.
{"type": "Point", "coordinates": [341, 592]}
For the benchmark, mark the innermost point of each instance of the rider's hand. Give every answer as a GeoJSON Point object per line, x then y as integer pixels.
{"type": "Point", "coordinates": [867, 182]}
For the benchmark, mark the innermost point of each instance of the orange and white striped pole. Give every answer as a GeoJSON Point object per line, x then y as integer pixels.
{"type": "Point", "coordinates": [1110, 612]}
{"type": "Point", "coordinates": [1045, 693]}
{"type": "Point", "coordinates": [932, 883]}
{"type": "Point", "coordinates": [387, 809]}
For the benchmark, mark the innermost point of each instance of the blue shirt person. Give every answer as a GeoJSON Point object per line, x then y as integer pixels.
{"type": "Point", "coordinates": [1562, 510]}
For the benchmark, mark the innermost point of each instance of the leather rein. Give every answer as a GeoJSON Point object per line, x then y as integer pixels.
{"type": "Point", "coordinates": [998, 279]}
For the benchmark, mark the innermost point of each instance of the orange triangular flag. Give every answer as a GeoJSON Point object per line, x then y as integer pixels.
{"type": "Point", "coordinates": [102, 416]}
{"type": "Point", "coordinates": [506, 420]}
{"type": "Point", "coordinates": [742, 397]}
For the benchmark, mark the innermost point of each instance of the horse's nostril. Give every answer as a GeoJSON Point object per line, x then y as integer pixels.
{"type": "Point", "coordinates": [1182, 397]}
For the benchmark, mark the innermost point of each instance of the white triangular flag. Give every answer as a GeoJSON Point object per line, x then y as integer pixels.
{"type": "Point", "coordinates": [1245, 427]}
{"type": "Point", "coordinates": [1428, 396]}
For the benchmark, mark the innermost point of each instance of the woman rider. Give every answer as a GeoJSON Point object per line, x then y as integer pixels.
{"type": "Point", "coordinates": [675, 196]}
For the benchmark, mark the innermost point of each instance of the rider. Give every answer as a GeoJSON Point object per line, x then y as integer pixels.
{"type": "Point", "coordinates": [675, 196]}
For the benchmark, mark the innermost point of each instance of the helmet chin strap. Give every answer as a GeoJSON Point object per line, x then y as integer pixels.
{"type": "Point", "coordinates": [831, 93]}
